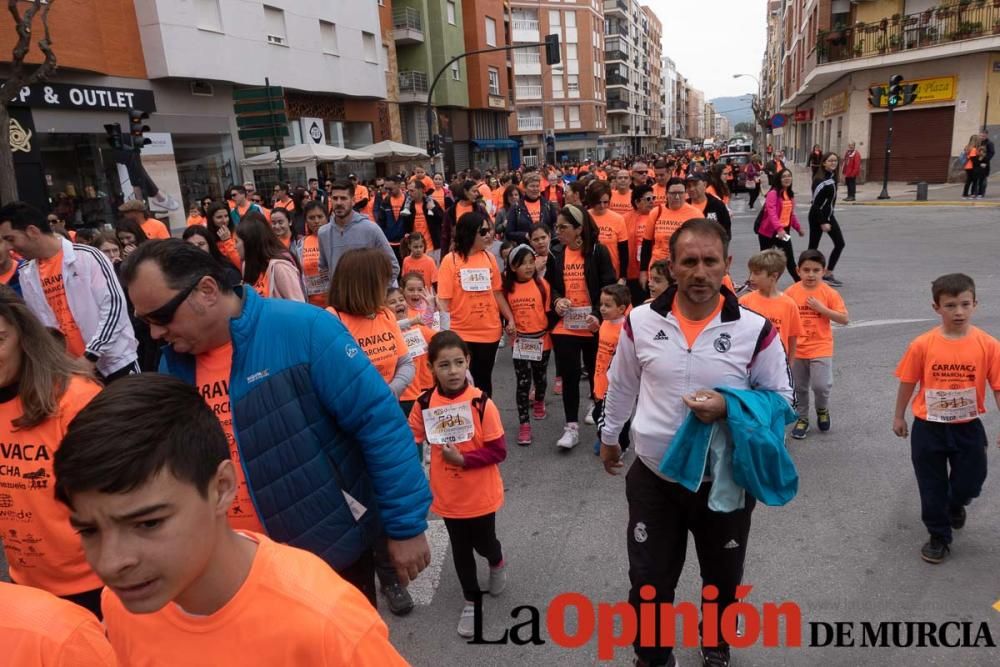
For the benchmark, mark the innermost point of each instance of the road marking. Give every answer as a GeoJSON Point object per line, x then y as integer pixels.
{"type": "Point", "coordinates": [881, 323]}
{"type": "Point", "coordinates": [422, 588]}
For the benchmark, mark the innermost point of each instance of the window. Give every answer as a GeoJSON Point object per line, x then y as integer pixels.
{"type": "Point", "coordinates": [274, 24]}
{"type": "Point", "coordinates": [456, 73]}
{"type": "Point", "coordinates": [554, 19]}
{"type": "Point", "coordinates": [574, 117]}
{"type": "Point", "coordinates": [209, 16]}
{"type": "Point", "coordinates": [570, 19]}
{"type": "Point", "coordinates": [328, 34]}
{"type": "Point", "coordinates": [558, 118]}
{"type": "Point", "coordinates": [573, 83]}
{"type": "Point", "coordinates": [571, 52]}
{"type": "Point", "coordinates": [368, 47]}
{"type": "Point", "coordinates": [557, 86]}
{"type": "Point", "coordinates": [451, 12]}
{"type": "Point", "coordinates": [491, 32]}
{"type": "Point", "coordinates": [494, 75]}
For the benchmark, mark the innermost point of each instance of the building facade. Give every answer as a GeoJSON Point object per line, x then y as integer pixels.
{"type": "Point", "coordinates": [695, 115]}
{"type": "Point", "coordinates": [651, 47]}
{"type": "Point", "coordinates": [770, 73]}
{"type": "Point", "coordinates": [632, 56]}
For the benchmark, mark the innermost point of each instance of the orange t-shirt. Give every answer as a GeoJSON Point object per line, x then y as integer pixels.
{"type": "Point", "coordinates": [787, 206]}
{"type": "Point", "coordinates": [420, 225]}
{"type": "Point", "coordinates": [438, 197]}
{"type": "Point", "coordinates": [316, 281]}
{"type": "Point", "coordinates": [780, 310]}
{"type": "Point", "coordinates": [607, 343]}
{"type": "Point", "coordinates": [635, 228]}
{"type": "Point", "coordinates": [212, 371]}
{"type": "Point", "coordinates": [195, 220]}
{"type": "Point", "coordinates": [396, 202]}
{"type": "Point", "coordinates": [612, 232]}
{"type": "Point", "coordinates": [425, 266]}
{"type": "Point", "coordinates": [380, 338]}
{"type": "Point", "coordinates": [576, 290]}
{"type": "Point", "coordinates": [42, 548]}
{"type": "Point", "coordinates": [620, 203]}
{"type": "Point", "coordinates": [424, 378]}
{"type": "Point", "coordinates": [952, 373]}
{"type": "Point", "coordinates": [664, 227]}
{"type": "Point", "coordinates": [471, 284]}
{"type": "Point", "coordinates": [292, 609]}
{"type": "Point", "coordinates": [460, 493]}
{"type": "Point", "coordinates": [534, 209]}
{"type": "Point", "coordinates": [816, 340]}
{"type": "Point", "coordinates": [229, 251]}
{"type": "Point", "coordinates": [660, 193]}
{"type": "Point", "coordinates": [426, 180]}
{"type": "Point", "coordinates": [38, 629]}
{"type": "Point", "coordinates": [287, 205]}
{"type": "Point", "coordinates": [530, 309]}
{"type": "Point", "coordinates": [154, 229]}
{"type": "Point", "coordinates": [461, 208]}
{"type": "Point", "coordinates": [50, 273]}
{"type": "Point", "coordinates": [286, 241]}
{"type": "Point", "coordinates": [692, 328]}
{"type": "Point", "coordinates": [9, 273]}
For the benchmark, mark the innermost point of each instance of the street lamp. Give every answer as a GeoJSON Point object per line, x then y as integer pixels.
{"type": "Point", "coordinates": [754, 104]}
{"type": "Point", "coordinates": [736, 76]}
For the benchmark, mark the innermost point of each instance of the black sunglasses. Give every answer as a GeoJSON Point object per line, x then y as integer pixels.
{"type": "Point", "coordinates": [164, 315]}
{"type": "Point", "coordinates": [484, 231]}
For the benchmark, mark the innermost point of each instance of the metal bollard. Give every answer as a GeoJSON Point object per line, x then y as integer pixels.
{"type": "Point", "coordinates": [921, 191]}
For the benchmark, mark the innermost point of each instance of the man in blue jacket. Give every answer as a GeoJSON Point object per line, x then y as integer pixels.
{"type": "Point", "coordinates": [328, 459]}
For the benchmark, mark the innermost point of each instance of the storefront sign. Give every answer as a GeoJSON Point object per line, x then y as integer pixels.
{"type": "Point", "coordinates": [931, 90]}
{"type": "Point", "coordinates": [836, 104]}
{"type": "Point", "coordinates": [803, 115]}
{"type": "Point", "coordinates": [313, 131]}
{"type": "Point", "coordinates": [88, 98]}
{"type": "Point", "coordinates": [162, 144]}
{"type": "Point", "coordinates": [497, 102]}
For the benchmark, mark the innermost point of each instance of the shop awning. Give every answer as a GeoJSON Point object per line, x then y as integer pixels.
{"type": "Point", "coordinates": [305, 153]}
{"type": "Point", "coordinates": [494, 144]}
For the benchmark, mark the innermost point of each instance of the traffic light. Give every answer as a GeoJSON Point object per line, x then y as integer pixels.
{"type": "Point", "coordinates": [550, 140]}
{"type": "Point", "coordinates": [137, 128]}
{"type": "Point", "coordinates": [895, 90]}
{"type": "Point", "coordinates": [875, 94]}
{"type": "Point", "coordinates": [552, 55]}
{"type": "Point", "coordinates": [909, 94]}
{"type": "Point", "coordinates": [114, 131]}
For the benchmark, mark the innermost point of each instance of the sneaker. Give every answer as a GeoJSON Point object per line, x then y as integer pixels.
{"type": "Point", "coordinates": [823, 420]}
{"type": "Point", "coordinates": [524, 435]}
{"type": "Point", "coordinates": [800, 430]}
{"type": "Point", "coordinates": [832, 281]}
{"type": "Point", "coordinates": [570, 437]}
{"type": "Point", "coordinates": [934, 551]}
{"type": "Point", "coordinates": [498, 579]}
{"type": "Point", "coordinates": [715, 657]}
{"type": "Point", "coordinates": [503, 341]}
{"type": "Point", "coordinates": [400, 602]}
{"type": "Point", "coordinates": [467, 621]}
{"type": "Point", "coordinates": [557, 389]}
{"type": "Point", "coordinates": [957, 517]}
{"type": "Point", "coordinates": [538, 410]}
{"type": "Point", "coordinates": [589, 417]}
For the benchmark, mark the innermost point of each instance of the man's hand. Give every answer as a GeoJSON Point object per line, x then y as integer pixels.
{"type": "Point", "coordinates": [899, 427]}
{"type": "Point", "coordinates": [611, 457]}
{"type": "Point", "coordinates": [409, 557]}
{"type": "Point", "coordinates": [707, 405]}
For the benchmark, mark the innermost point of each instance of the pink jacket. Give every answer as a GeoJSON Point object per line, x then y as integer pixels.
{"type": "Point", "coordinates": [284, 280]}
{"type": "Point", "coordinates": [852, 164]}
{"type": "Point", "coordinates": [771, 223]}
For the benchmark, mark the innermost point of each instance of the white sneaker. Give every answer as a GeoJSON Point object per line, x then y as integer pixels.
{"type": "Point", "coordinates": [589, 417]}
{"type": "Point", "coordinates": [467, 621]}
{"type": "Point", "coordinates": [570, 437]}
{"type": "Point", "coordinates": [498, 579]}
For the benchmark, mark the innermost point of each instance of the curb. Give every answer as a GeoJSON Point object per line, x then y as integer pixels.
{"type": "Point", "coordinates": [961, 204]}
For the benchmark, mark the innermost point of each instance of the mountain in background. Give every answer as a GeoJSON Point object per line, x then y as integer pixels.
{"type": "Point", "coordinates": [736, 109]}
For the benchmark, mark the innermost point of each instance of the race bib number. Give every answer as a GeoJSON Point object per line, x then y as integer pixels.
{"type": "Point", "coordinates": [951, 405]}
{"type": "Point", "coordinates": [318, 284]}
{"type": "Point", "coordinates": [528, 349]}
{"type": "Point", "coordinates": [449, 424]}
{"type": "Point", "coordinates": [415, 342]}
{"type": "Point", "coordinates": [475, 280]}
{"type": "Point", "coordinates": [576, 318]}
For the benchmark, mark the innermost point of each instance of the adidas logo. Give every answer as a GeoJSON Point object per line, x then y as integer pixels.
{"type": "Point", "coordinates": [732, 544]}
{"type": "Point", "coordinates": [660, 335]}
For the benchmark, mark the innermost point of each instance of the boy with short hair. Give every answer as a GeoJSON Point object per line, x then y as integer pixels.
{"type": "Point", "coordinates": [150, 505]}
{"type": "Point", "coordinates": [659, 278]}
{"type": "Point", "coordinates": [819, 305]}
{"type": "Point", "coordinates": [765, 271]}
{"type": "Point", "coordinates": [615, 302]}
{"type": "Point", "coordinates": [952, 363]}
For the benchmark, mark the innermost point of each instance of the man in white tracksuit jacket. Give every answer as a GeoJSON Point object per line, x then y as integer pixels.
{"type": "Point", "coordinates": [672, 352]}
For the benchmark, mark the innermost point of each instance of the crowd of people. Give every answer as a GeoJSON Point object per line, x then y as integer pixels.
{"type": "Point", "coordinates": [299, 380]}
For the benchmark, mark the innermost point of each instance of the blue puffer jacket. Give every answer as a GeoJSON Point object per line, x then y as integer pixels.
{"type": "Point", "coordinates": [313, 419]}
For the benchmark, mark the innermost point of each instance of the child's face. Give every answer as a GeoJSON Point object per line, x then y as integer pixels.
{"type": "Point", "coordinates": [762, 280]}
{"type": "Point", "coordinates": [413, 291]}
{"type": "Point", "coordinates": [811, 273]}
{"type": "Point", "coordinates": [609, 309]}
{"type": "Point", "coordinates": [417, 247]}
{"type": "Point", "coordinates": [540, 242]}
{"type": "Point", "coordinates": [956, 309]}
{"type": "Point", "coordinates": [449, 368]}
{"type": "Point", "coordinates": [505, 253]}
{"type": "Point", "coordinates": [525, 271]}
{"type": "Point", "coordinates": [657, 283]}
{"type": "Point", "coordinates": [397, 304]}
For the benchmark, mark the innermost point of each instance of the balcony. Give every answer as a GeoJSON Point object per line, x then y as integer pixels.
{"type": "Point", "coordinates": [527, 61]}
{"type": "Point", "coordinates": [610, 56]}
{"type": "Point", "coordinates": [615, 106]}
{"type": "Point", "coordinates": [528, 92]}
{"type": "Point", "coordinates": [955, 22]}
{"type": "Point", "coordinates": [529, 123]}
{"type": "Point", "coordinates": [616, 28]}
{"type": "Point", "coordinates": [412, 87]}
{"type": "Point", "coordinates": [524, 30]}
{"type": "Point", "coordinates": [616, 7]}
{"type": "Point", "coordinates": [407, 26]}
{"type": "Point", "coordinates": [616, 80]}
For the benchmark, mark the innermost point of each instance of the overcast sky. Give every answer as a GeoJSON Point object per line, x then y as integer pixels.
{"type": "Point", "coordinates": [710, 40]}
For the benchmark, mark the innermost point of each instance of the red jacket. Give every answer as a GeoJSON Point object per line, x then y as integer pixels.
{"type": "Point", "coordinates": [852, 164]}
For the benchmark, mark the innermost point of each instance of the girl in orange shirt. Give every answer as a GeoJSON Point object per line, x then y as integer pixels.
{"type": "Point", "coordinates": [530, 301]}
{"type": "Point", "coordinates": [417, 337]}
{"type": "Point", "coordinates": [421, 306]}
{"type": "Point", "coordinates": [417, 260]}
{"type": "Point", "coordinates": [315, 280]}
{"type": "Point", "coordinates": [463, 427]}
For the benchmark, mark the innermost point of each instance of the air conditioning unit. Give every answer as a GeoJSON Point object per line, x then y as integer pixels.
{"type": "Point", "coordinates": [275, 39]}
{"type": "Point", "coordinates": [202, 88]}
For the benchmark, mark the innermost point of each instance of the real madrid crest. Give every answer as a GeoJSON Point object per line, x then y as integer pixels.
{"type": "Point", "coordinates": [723, 343]}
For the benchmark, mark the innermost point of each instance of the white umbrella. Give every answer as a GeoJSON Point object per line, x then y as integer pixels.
{"type": "Point", "coordinates": [392, 149]}
{"type": "Point", "coordinates": [308, 153]}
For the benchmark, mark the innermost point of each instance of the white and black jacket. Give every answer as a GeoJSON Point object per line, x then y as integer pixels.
{"type": "Point", "coordinates": [824, 200]}
{"type": "Point", "coordinates": [653, 364]}
{"type": "Point", "coordinates": [96, 301]}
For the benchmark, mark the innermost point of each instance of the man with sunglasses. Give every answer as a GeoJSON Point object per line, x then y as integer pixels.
{"type": "Point", "coordinates": [72, 288]}
{"type": "Point", "coordinates": [711, 207]}
{"type": "Point", "coordinates": [326, 458]}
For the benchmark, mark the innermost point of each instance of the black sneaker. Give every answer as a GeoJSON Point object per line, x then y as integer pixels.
{"type": "Point", "coordinates": [715, 657]}
{"type": "Point", "coordinates": [823, 420]}
{"type": "Point", "coordinates": [400, 602]}
{"type": "Point", "coordinates": [800, 430]}
{"type": "Point", "coordinates": [957, 517]}
{"type": "Point", "coordinates": [832, 281]}
{"type": "Point", "coordinates": [934, 551]}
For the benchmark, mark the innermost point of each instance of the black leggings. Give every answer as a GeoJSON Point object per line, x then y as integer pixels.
{"type": "Point", "coordinates": [525, 372]}
{"type": "Point", "coordinates": [971, 183]}
{"type": "Point", "coordinates": [568, 350]}
{"type": "Point", "coordinates": [482, 356]}
{"type": "Point", "coordinates": [786, 247]}
{"type": "Point", "coordinates": [469, 536]}
{"type": "Point", "coordinates": [754, 194]}
{"type": "Point", "coordinates": [815, 234]}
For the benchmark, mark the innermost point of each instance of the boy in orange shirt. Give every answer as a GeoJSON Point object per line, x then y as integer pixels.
{"type": "Point", "coordinates": [182, 587]}
{"type": "Point", "coordinates": [615, 303]}
{"type": "Point", "coordinates": [952, 363]}
{"type": "Point", "coordinates": [765, 271]}
{"type": "Point", "coordinates": [819, 304]}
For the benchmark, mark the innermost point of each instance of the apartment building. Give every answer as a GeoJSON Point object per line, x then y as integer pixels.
{"type": "Point", "coordinates": [770, 72]}
{"type": "Point", "coordinates": [565, 100]}
{"type": "Point", "coordinates": [650, 78]}
{"type": "Point", "coordinates": [669, 127]}
{"type": "Point", "coordinates": [834, 50]}
{"type": "Point", "coordinates": [695, 114]}
{"type": "Point", "coordinates": [632, 59]}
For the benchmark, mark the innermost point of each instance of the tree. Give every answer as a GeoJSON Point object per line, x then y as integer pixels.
{"type": "Point", "coordinates": [744, 128]}
{"type": "Point", "coordinates": [20, 77]}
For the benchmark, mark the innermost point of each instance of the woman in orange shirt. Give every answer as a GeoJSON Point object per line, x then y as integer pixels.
{"type": "Point", "coordinates": [267, 266]}
{"type": "Point", "coordinates": [466, 201]}
{"type": "Point", "coordinates": [221, 228]}
{"type": "Point", "coordinates": [971, 153]}
{"type": "Point", "coordinates": [41, 390]}
{"type": "Point", "coordinates": [281, 225]}
{"type": "Point", "coordinates": [315, 280]}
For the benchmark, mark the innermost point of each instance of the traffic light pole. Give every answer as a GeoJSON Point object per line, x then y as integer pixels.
{"type": "Point", "coordinates": [888, 154]}
{"type": "Point", "coordinates": [274, 130]}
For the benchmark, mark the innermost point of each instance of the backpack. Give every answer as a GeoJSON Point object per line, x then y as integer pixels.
{"type": "Point", "coordinates": [759, 220]}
